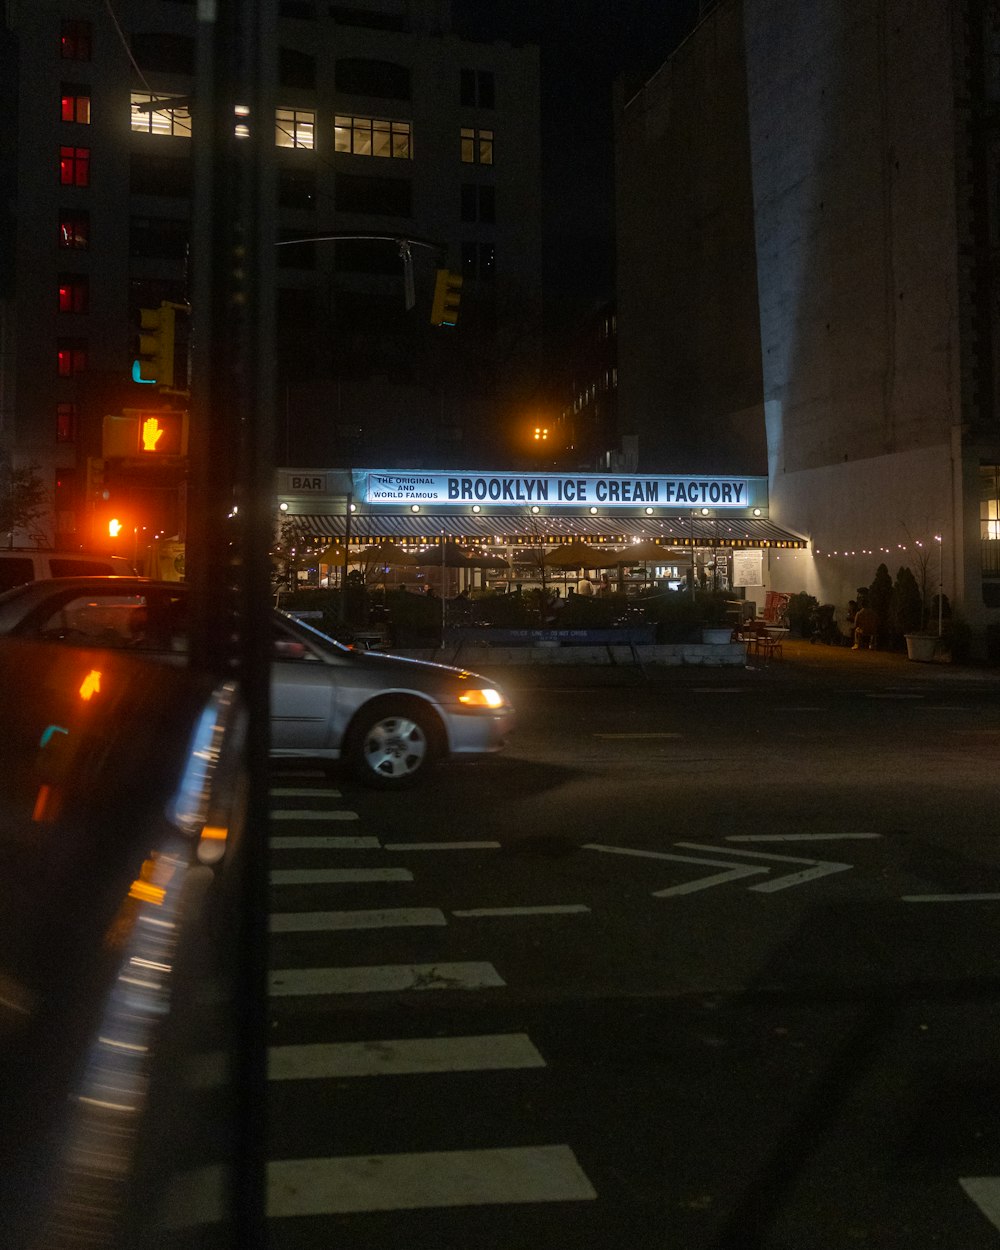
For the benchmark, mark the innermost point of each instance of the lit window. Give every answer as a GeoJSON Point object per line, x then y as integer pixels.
{"type": "Point", "coordinates": [155, 114]}
{"type": "Point", "coordinates": [477, 146]}
{"type": "Point", "coordinates": [75, 104]}
{"type": "Point", "coordinates": [74, 41]}
{"type": "Point", "coordinates": [242, 130]}
{"type": "Point", "coordinates": [372, 136]}
{"type": "Point", "coordinates": [295, 128]}
{"type": "Point", "coordinates": [74, 292]}
{"type": "Point", "coordinates": [65, 423]}
{"type": "Point", "coordinates": [74, 230]}
{"type": "Point", "coordinates": [71, 357]}
{"type": "Point", "coordinates": [74, 167]}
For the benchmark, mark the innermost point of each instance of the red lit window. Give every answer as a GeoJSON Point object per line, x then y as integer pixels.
{"type": "Point", "coordinates": [74, 292]}
{"type": "Point", "coordinates": [74, 40]}
{"type": "Point", "coordinates": [71, 357]}
{"type": "Point", "coordinates": [75, 106]}
{"type": "Point", "coordinates": [74, 230]}
{"type": "Point", "coordinates": [65, 423]}
{"type": "Point", "coordinates": [74, 167]}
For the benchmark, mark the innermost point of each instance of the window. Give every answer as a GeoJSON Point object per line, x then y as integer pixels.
{"type": "Point", "coordinates": [384, 79]}
{"type": "Point", "coordinates": [164, 52]}
{"type": "Point", "coordinates": [75, 105]}
{"type": "Point", "coordinates": [242, 128]}
{"type": "Point", "coordinates": [297, 188]}
{"type": "Point", "coordinates": [74, 293]}
{"type": "Point", "coordinates": [71, 357]}
{"type": "Point", "coordinates": [478, 261]}
{"type": "Point", "coordinates": [159, 175]}
{"type": "Point", "coordinates": [371, 256]}
{"type": "Point", "coordinates": [478, 203]}
{"type": "Point", "coordinates": [65, 423]}
{"type": "Point", "coordinates": [75, 40]}
{"type": "Point", "coordinates": [477, 146]}
{"type": "Point", "coordinates": [296, 255]}
{"type": "Point", "coordinates": [157, 115]}
{"type": "Point", "coordinates": [74, 167]}
{"type": "Point", "coordinates": [74, 229]}
{"type": "Point", "coordinates": [372, 136]}
{"type": "Point", "coordinates": [369, 19]}
{"type": "Point", "coordinates": [385, 197]}
{"type": "Point", "coordinates": [476, 88]}
{"type": "Point", "coordinates": [296, 69]}
{"type": "Point", "coordinates": [295, 128]}
{"type": "Point", "coordinates": [159, 238]}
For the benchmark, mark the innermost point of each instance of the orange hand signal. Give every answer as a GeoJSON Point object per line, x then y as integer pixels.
{"type": "Point", "coordinates": [152, 432]}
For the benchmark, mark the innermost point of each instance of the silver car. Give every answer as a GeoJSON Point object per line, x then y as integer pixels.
{"type": "Point", "coordinates": [391, 718]}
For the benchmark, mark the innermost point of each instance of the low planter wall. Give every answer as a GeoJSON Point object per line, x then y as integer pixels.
{"type": "Point", "coordinates": [480, 657]}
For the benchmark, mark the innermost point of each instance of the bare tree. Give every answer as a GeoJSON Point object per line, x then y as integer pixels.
{"type": "Point", "coordinates": [23, 502]}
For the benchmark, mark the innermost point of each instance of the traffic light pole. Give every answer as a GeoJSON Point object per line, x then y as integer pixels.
{"type": "Point", "coordinates": [231, 451]}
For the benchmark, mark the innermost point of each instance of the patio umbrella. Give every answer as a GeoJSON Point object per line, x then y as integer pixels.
{"type": "Point", "coordinates": [646, 552]}
{"type": "Point", "coordinates": [334, 554]}
{"type": "Point", "coordinates": [577, 555]}
{"type": "Point", "coordinates": [451, 555]}
{"type": "Point", "coordinates": [386, 554]}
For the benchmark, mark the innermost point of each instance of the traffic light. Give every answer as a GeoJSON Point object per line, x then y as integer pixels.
{"type": "Point", "coordinates": [161, 434]}
{"type": "Point", "coordinates": [95, 478]}
{"type": "Point", "coordinates": [136, 435]}
{"type": "Point", "coordinates": [447, 293]}
{"type": "Point", "coordinates": [156, 345]}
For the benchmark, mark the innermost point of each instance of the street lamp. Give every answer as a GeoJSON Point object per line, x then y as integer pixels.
{"type": "Point", "coordinates": [940, 542]}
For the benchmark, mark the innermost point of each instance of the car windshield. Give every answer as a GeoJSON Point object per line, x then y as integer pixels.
{"type": "Point", "coordinates": [316, 636]}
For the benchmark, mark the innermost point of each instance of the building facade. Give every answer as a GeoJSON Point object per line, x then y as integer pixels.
{"type": "Point", "coordinates": [387, 129]}
{"type": "Point", "coordinates": [846, 196]}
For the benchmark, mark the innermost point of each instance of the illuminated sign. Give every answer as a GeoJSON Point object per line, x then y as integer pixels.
{"type": "Point", "coordinates": [524, 490]}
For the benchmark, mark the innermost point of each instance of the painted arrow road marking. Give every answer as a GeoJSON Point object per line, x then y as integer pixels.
{"type": "Point", "coordinates": [818, 867]}
{"type": "Point", "coordinates": [733, 871]}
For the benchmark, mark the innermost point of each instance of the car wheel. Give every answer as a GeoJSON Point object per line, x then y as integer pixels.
{"type": "Point", "coordinates": [393, 745]}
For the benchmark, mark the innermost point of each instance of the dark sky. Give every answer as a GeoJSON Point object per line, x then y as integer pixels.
{"type": "Point", "coordinates": [585, 45]}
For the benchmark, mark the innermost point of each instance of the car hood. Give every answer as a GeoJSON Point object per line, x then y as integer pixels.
{"type": "Point", "coordinates": [403, 665]}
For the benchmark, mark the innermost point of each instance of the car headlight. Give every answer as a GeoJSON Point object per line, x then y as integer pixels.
{"type": "Point", "coordinates": [487, 697]}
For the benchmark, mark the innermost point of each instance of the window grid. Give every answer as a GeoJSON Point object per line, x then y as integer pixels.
{"type": "Point", "coordinates": [74, 104]}
{"type": "Point", "coordinates": [75, 40]}
{"type": "Point", "coordinates": [74, 293]}
{"type": "Point", "coordinates": [71, 357]}
{"type": "Point", "coordinates": [65, 423]}
{"type": "Point", "coordinates": [372, 136]}
{"type": "Point", "coordinates": [74, 167]}
{"type": "Point", "coordinates": [295, 128]}
{"type": "Point", "coordinates": [164, 118]}
{"type": "Point", "coordinates": [477, 146]}
{"type": "Point", "coordinates": [74, 230]}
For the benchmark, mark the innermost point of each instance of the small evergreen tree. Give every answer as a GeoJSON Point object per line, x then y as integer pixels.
{"type": "Point", "coordinates": [880, 597]}
{"type": "Point", "coordinates": [906, 608]}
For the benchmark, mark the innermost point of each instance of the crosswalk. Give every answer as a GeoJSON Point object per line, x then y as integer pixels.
{"type": "Point", "coordinates": [502, 1166]}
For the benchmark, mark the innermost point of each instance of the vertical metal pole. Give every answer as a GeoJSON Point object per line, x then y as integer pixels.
{"type": "Point", "coordinates": [231, 464]}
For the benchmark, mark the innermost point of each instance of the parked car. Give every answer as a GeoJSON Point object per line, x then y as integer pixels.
{"type": "Point", "coordinates": [391, 718]}
{"type": "Point", "coordinates": [19, 565]}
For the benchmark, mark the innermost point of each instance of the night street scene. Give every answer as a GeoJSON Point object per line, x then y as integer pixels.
{"type": "Point", "coordinates": [500, 625]}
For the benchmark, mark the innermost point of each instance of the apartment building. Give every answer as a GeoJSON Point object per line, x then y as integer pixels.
{"type": "Point", "coordinates": [387, 128]}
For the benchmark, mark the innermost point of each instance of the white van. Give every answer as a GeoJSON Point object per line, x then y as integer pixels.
{"type": "Point", "coordinates": [22, 564]}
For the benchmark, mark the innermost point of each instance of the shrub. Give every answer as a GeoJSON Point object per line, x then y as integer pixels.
{"type": "Point", "coordinates": [800, 610]}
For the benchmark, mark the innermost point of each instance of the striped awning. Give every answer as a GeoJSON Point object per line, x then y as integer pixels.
{"type": "Point", "coordinates": [683, 531]}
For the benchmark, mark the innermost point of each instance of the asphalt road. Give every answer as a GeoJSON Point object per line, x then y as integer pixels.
{"type": "Point", "coordinates": [707, 958]}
